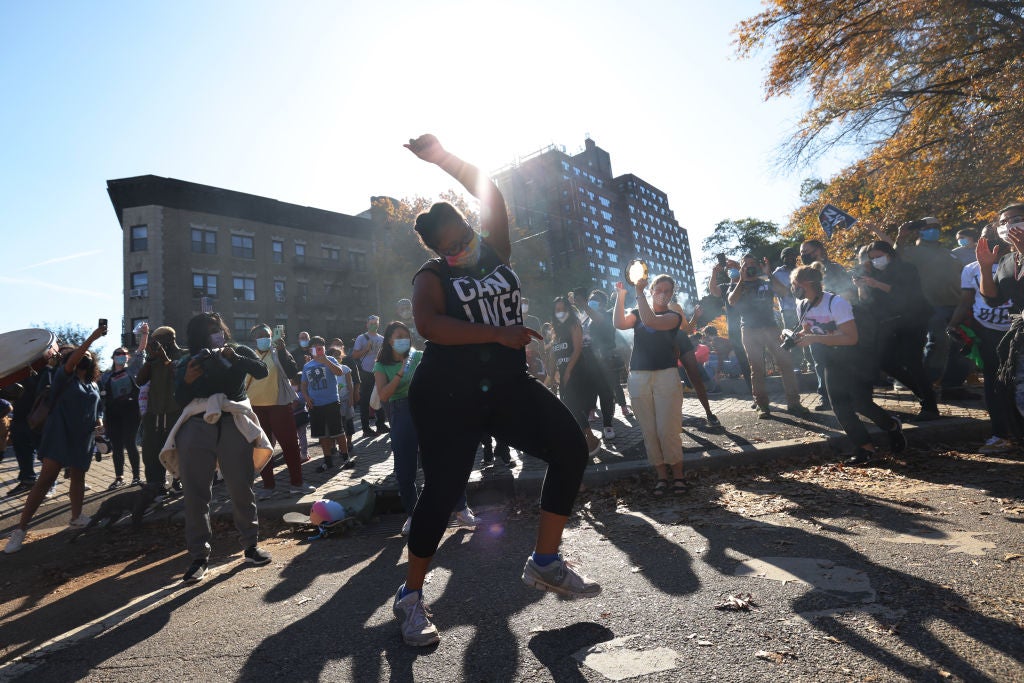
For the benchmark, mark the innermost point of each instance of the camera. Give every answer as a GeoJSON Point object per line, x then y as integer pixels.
{"type": "Point", "coordinates": [789, 340]}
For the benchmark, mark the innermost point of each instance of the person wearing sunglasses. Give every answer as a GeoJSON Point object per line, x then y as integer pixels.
{"type": "Point", "coordinates": [473, 381]}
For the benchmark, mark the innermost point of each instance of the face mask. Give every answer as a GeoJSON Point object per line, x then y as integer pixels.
{"type": "Point", "coordinates": [372, 328]}
{"type": "Point", "coordinates": [930, 234]}
{"type": "Point", "coordinates": [807, 259]}
{"type": "Point", "coordinates": [84, 364]}
{"type": "Point", "coordinates": [734, 273]}
{"type": "Point", "coordinates": [526, 308]}
{"type": "Point", "coordinates": [263, 343]}
{"type": "Point", "coordinates": [468, 256]}
{"type": "Point", "coordinates": [303, 343]}
{"type": "Point", "coordinates": [594, 305]}
{"type": "Point", "coordinates": [401, 346]}
{"type": "Point", "coordinates": [662, 299]}
{"type": "Point", "coordinates": [1004, 232]}
{"type": "Point", "coordinates": [963, 242]}
{"type": "Point", "coordinates": [561, 316]}
{"type": "Point", "coordinates": [798, 292]}
{"type": "Point", "coordinates": [216, 340]}
{"type": "Point", "coordinates": [880, 263]}
{"type": "Point", "coordinates": [120, 359]}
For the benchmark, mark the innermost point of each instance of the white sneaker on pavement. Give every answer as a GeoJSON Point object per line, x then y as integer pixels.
{"type": "Point", "coordinates": [996, 444]}
{"type": "Point", "coordinates": [559, 577]}
{"type": "Point", "coordinates": [15, 540]}
{"type": "Point", "coordinates": [301, 489]}
{"type": "Point", "coordinates": [465, 517]}
{"type": "Point", "coordinates": [609, 433]}
{"type": "Point", "coordinates": [80, 521]}
{"type": "Point", "coordinates": [417, 629]}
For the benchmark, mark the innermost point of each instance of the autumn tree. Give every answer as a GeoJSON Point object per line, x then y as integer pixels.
{"type": "Point", "coordinates": [929, 90]}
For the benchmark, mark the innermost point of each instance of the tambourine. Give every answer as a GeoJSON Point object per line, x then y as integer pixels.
{"type": "Point", "coordinates": [636, 271]}
{"type": "Point", "coordinates": [23, 352]}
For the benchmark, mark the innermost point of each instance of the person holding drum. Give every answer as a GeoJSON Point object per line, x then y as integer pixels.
{"type": "Point", "coordinates": [68, 435]}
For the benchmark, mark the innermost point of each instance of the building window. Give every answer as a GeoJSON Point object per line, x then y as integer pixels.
{"type": "Point", "coordinates": [204, 241]}
{"type": "Point", "coordinates": [204, 285]}
{"type": "Point", "coordinates": [139, 240]}
{"type": "Point", "coordinates": [279, 290]}
{"type": "Point", "coordinates": [138, 285]}
{"type": "Point", "coordinates": [331, 254]}
{"type": "Point", "coordinates": [277, 249]}
{"type": "Point", "coordinates": [244, 288]}
{"type": "Point", "coordinates": [243, 323]}
{"type": "Point", "coordinates": [300, 253]}
{"type": "Point", "coordinates": [358, 260]}
{"type": "Point", "coordinates": [241, 247]}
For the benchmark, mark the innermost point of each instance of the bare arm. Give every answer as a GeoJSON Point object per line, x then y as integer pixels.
{"type": "Point", "coordinates": [846, 335]}
{"type": "Point", "coordinates": [386, 389]}
{"type": "Point", "coordinates": [619, 317]}
{"type": "Point", "coordinates": [72, 363]}
{"type": "Point", "coordinates": [493, 215]}
{"type": "Point", "coordinates": [669, 320]}
{"type": "Point", "coordinates": [963, 308]}
{"type": "Point", "coordinates": [577, 349]}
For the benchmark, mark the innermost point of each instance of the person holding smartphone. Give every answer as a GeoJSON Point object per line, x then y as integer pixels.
{"type": "Point", "coordinates": [320, 390]}
{"type": "Point", "coordinates": [68, 435]}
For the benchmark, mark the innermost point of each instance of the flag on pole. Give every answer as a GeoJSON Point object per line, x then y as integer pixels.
{"type": "Point", "coordinates": [833, 218]}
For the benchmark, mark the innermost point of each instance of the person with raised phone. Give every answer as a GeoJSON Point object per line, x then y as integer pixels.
{"type": "Point", "coordinates": [472, 381]}
{"type": "Point", "coordinates": [752, 294]}
{"type": "Point", "coordinates": [68, 435]}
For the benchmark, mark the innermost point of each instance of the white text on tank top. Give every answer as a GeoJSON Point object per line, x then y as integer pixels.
{"type": "Point", "coordinates": [493, 299]}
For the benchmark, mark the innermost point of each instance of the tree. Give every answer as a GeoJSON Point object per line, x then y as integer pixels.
{"type": "Point", "coordinates": [66, 333]}
{"type": "Point", "coordinates": [930, 90]}
{"type": "Point", "coordinates": [734, 238]}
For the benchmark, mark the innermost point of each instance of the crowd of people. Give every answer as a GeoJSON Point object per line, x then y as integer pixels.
{"type": "Point", "coordinates": [466, 363]}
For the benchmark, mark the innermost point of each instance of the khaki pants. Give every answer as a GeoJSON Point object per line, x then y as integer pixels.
{"type": "Point", "coordinates": [657, 397]}
{"type": "Point", "coordinates": [755, 341]}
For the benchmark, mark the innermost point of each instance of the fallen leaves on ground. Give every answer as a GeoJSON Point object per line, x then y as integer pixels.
{"type": "Point", "coordinates": [735, 603]}
{"type": "Point", "coordinates": [777, 656]}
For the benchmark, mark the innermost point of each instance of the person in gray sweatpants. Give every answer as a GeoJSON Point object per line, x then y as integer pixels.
{"type": "Point", "coordinates": [215, 366]}
{"type": "Point", "coordinates": [204, 446]}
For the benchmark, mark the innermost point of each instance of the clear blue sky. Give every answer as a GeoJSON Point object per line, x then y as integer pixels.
{"type": "Point", "coordinates": [310, 103]}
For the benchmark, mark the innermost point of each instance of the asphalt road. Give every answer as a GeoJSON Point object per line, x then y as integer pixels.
{"type": "Point", "coordinates": [910, 571]}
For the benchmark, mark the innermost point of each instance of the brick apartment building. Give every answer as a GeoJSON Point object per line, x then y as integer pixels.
{"type": "Point", "coordinates": [593, 221]}
{"type": "Point", "coordinates": [255, 259]}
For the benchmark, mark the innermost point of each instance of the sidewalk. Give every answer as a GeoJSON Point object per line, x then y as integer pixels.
{"type": "Point", "coordinates": [742, 440]}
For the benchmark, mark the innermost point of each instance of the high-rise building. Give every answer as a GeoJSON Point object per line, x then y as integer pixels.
{"type": "Point", "coordinates": [253, 259]}
{"type": "Point", "coordinates": [592, 222]}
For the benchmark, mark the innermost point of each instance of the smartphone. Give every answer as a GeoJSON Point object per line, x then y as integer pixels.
{"type": "Point", "coordinates": [103, 326]}
{"type": "Point", "coordinates": [278, 333]}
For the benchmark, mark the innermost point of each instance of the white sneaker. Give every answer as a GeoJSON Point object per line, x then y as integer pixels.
{"type": "Point", "coordinates": [407, 526]}
{"type": "Point", "coordinates": [301, 489]}
{"type": "Point", "coordinates": [465, 517]}
{"type": "Point", "coordinates": [52, 491]}
{"type": "Point", "coordinates": [80, 521]}
{"type": "Point", "coordinates": [996, 444]}
{"type": "Point", "coordinates": [15, 540]}
{"type": "Point", "coordinates": [609, 433]}
{"type": "Point", "coordinates": [417, 629]}
{"type": "Point", "coordinates": [560, 577]}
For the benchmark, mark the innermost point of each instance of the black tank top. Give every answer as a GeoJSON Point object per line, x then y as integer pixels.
{"type": "Point", "coordinates": [487, 293]}
{"type": "Point", "coordinates": [653, 349]}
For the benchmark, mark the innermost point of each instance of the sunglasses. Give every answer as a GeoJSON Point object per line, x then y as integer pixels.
{"type": "Point", "coordinates": [461, 245]}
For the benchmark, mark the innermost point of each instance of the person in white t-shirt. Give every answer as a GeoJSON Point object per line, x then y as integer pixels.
{"type": "Point", "coordinates": [826, 319]}
{"type": "Point", "coordinates": [365, 351]}
{"type": "Point", "coordinates": [990, 324]}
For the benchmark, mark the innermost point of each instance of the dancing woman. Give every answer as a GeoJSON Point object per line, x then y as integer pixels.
{"type": "Point", "coordinates": [472, 381]}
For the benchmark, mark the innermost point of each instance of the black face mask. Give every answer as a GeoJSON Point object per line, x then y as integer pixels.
{"type": "Point", "coordinates": [806, 259]}
{"type": "Point", "coordinates": [85, 364]}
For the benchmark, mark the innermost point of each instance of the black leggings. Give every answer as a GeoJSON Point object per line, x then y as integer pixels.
{"type": "Point", "coordinates": [453, 412]}
{"type": "Point", "coordinates": [580, 394]}
{"type": "Point", "coordinates": [850, 389]}
{"type": "Point", "coordinates": [123, 428]}
{"type": "Point", "coordinates": [901, 355]}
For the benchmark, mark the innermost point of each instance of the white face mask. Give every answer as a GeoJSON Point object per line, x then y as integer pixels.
{"type": "Point", "coordinates": [561, 316]}
{"type": "Point", "coordinates": [662, 299]}
{"type": "Point", "coordinates": [880, 262]}
{"type": "Point", "coordinates": [526, 308]}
